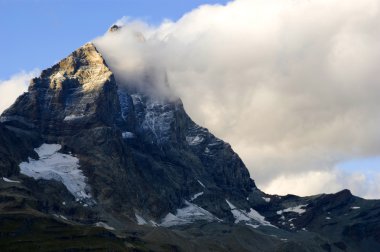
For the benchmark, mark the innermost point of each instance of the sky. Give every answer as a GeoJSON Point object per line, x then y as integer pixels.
{"type": "Point", "coordinates": [37, 33]}
{"type": "Point", "coordinates": [291, 84]}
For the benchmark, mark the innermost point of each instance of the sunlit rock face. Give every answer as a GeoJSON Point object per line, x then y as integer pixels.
{"type": "Point", "coordinates": [79, 87]}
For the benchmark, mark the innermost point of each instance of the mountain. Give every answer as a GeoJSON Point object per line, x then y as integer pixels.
{"type": "Point", "coordinates": [89, 162]}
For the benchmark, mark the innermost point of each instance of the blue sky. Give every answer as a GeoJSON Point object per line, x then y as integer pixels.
{"type": "Point", "coordinates": [367, 165]}
{"type": "Point", "coordinates": [37, 33]}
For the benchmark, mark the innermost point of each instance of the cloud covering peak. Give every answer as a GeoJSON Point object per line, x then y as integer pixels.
{"type": "Point", "coordinates": [292, 84]}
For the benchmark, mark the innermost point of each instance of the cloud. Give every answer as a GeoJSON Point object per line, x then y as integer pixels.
{"type": "Point", "coordinates": [12, 88]}
{"type": "Point", "coordinates": [293, 85]}
{"type": "Point", "coordinates": [328, 181]}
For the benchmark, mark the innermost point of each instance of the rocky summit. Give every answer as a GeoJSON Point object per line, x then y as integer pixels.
{"type": "Point", "coordinates": [88, 162]}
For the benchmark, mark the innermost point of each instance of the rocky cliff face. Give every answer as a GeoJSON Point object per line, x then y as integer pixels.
{"type": "Point", "coordinates": [141, 154]}
{"type": "Point", "coordinates": [83, 148]}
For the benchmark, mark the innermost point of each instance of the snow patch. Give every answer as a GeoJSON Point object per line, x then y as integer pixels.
{"type": "Point", "coordinates": [153, 223]}
{"type": "Point", "coordinates": [230, 205]}
{"type": "Point", "coordinates": [253, 214]}
{"type": "Point", "coordinates": [201, 183]}
{"type": "Point", "coordinates": [140, 220]}
{"type": "Point", "coordinates": [266, 199]}
{"type": "Point", "coordinates": [60, 216]}
{"type": "Point", "coordinates": [243, 216]}
{"type": "Point", "coordinates": [297, 209]}
{"type": "Point", "coordinates": [328, 218]}
{"type": "Point", "coordinates": [196, 196]}
{"type": "Point", "coordinates": [128, 135]}
{"type": "Point", "coordinates": [104, 225]}
{"type": "Point", "coordinates": [187, 215]}
{"type": "Point", "coordinates": [73, 117]}
{"type": "Point", "coordinates": [10, 181]}
{"type": "Point", "coordinates": [172, 220]}
{"type": "Point", "coordinates": [355, 207]}
{"type": "Point", "coordinates": [239, 215]}
{"type": "Point", "coordinates": [252, 225]}
{"type": "Point", "coordinates": [194, 140]}
{"type": "Point", "coordinates": [46, 150]}
{"type": "Point", "coordinates": [53, 165]}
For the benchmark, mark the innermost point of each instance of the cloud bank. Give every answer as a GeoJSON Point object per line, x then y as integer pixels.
{"type": "Point", "coordinates": [12, 88]}
{"type": "Point", "coordinates": [293, 85]}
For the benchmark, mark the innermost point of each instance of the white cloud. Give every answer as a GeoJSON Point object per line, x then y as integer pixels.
{"type": "Point", "coordinates": [291, 84]}
{"type": "Point", "coordinates": [14, 87]}
{"type": "Point", "coordinates": [331, 181]}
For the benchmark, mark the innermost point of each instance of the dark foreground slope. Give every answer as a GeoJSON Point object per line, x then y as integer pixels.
{"type": "Point", "coordinates": [81, 150]}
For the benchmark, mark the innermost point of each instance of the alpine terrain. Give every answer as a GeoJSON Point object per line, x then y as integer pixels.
{"type": "Point", "coordinates": [90, 163]}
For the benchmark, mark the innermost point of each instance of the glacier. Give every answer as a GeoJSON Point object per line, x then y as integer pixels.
{"type": "Point", "coordinates": [53, 165]}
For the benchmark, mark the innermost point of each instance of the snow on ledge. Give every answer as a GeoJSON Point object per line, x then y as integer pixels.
{"type": "Point", "coordinates": [196, 196]}
{"type": "Point", "coordinates": [140, 220]}
{"type": "Point", "coordinates": [252, 225]}
{"type": "Point", "coordinates": [252, 215]}
{"type": "Point", "coordinates": [201, 183]}
{"type": "Point", "coordinates": [266, 199]}
{"type": "Point", "coordinates": [187, 215]}
{"type": "Point", "coordinates": [73, 117]}
{"type": "Point", "coordinates": [53, 165]}
{"type": "Point", "coordinates": [60, 217]}
{"type": "Point", "coordinates": [194, 140]}
{"type": "Point", "coordinates": [127, 135]}
{"type": "Point", "coordinates": [10, 181]}
{"type": "Point", "coordinates": [104, 225]}
{"type": "Point", "coordinates": [297, 209]}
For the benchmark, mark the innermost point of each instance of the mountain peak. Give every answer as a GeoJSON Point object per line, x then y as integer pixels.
{"type": "Point", "coordinates": [81, 86]}
{"type": "Point", "coordinates": [85, 64]}
{"type": "Point", "coordinates": [114, 28]}
{"type": "Point", "coordinates": [123, 136]}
